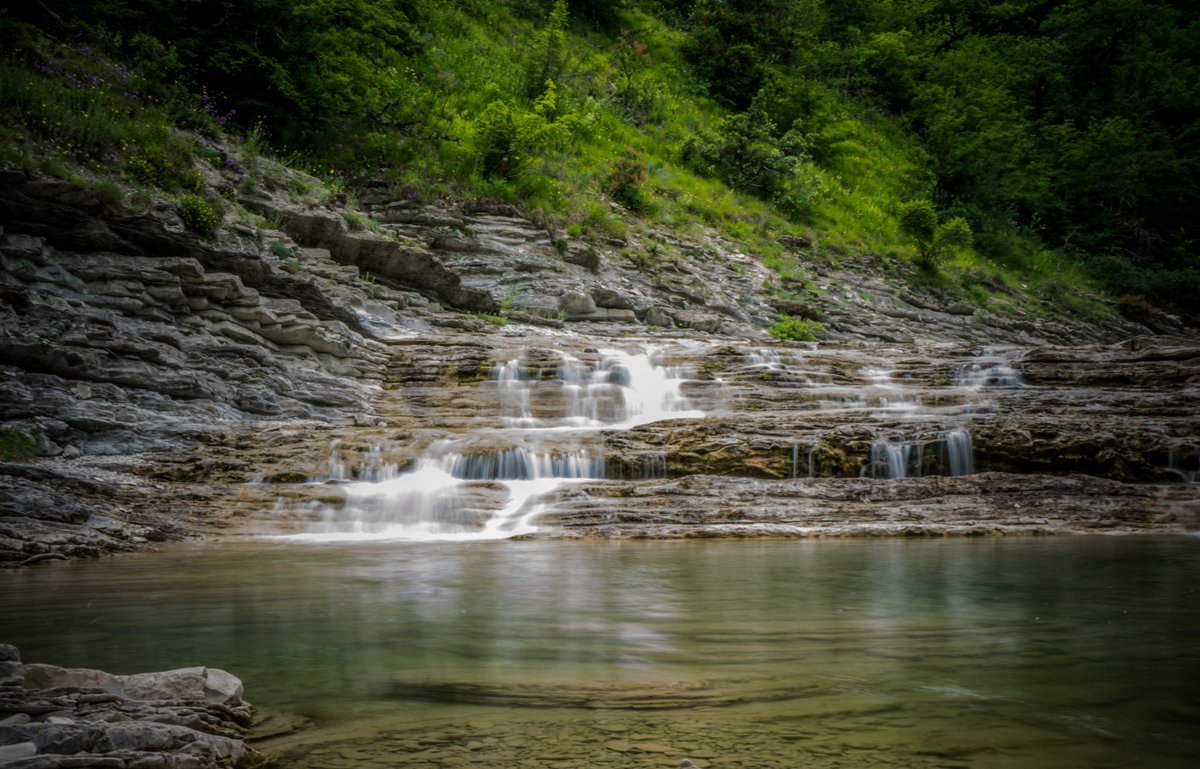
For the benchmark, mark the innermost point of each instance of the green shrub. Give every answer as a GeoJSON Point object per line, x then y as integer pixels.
{"type": "Point", "coordinates": [918, 223]}
{"type": "Point", "coordinates": [795, 329]}
{"type": "Point", "coordinates": [280, 250]}
{"type": "Point", "coordinates": [919, 226]}
{"type": "Point", "coordinates": [109, 194]}
{"type": "Point", "coordinates": [199, 216]}
{"type": "Point", "coordinates": [16, 445]}
{"type": "Point", "coordinates": [626, 182]}
{"type": "Point", "coordinates": [508, 137]}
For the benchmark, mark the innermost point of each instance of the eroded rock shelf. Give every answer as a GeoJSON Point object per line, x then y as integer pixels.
{"type": "Point", "coordinates": [168, 386]}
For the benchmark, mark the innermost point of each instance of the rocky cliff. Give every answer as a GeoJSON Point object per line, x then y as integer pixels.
{"type": "Point", "coordinates": [148, 375]}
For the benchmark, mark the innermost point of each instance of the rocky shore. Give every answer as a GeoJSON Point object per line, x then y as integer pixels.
{"type": "Point", "coordinates": [59, 718]}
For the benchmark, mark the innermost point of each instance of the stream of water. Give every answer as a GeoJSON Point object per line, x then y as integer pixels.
{"type": "Point", "coordinates": [542, 429]}
{"type": "Point", "coordinates": [1065, 653]}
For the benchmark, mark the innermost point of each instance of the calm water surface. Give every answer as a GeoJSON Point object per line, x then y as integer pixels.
{"type": "Point", "coordinates": [1081, 652]}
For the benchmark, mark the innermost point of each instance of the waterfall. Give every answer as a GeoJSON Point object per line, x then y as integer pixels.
{"type": "Point", "coordinates": [446, 495]}
{"type": "Point", "coordinates": [620, 390]}
{"type": "Point", "coordinates": [1188, 471]}
{"type": "Point", "coordinates": [812, 460]}
{"type": "Point", "coordinates": [995, 372]}
{"type": "Point", "coordinates": [960, 454]}
{"type": "Point", "coordinates": [491, 484]}
{"type": "Point", "coordinates": [890, 396]}
{"type": "Point", "coordinates": [514, 391]}
{"type": "Point", "coordinates": [654, 466]}
{"type": "Point", "coordinates": [888, 460]}
{"type": "Point", "coordinates": [898, 459]}
{"type": "Point", "coordinates": [765, 358]}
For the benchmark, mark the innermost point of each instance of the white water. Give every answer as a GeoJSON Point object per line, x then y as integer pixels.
{"type": "Point", "coordinates": [492, 482]}
{"type": "Point", "coordinates": [452, 493]}
{"type": "Point", "coordinates": [906, 459]}
{"type": "Point", "coordinates": [989, 372]}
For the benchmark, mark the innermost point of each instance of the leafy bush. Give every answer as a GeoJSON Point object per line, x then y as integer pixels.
{"type": "Point", "coordinates": [16, 445]}
{"type": "Point", "coordinates": [919, 225]}
{"type": "Point", "coordinates": [795, 329]}
{"type": "Point", "coordinates": [279, 249]}
{"type": "Point", "coordinates": [626, 183]}
{"type": "Point", "coordinates": [747, 152]}
{"type": "Point", "coordinates": [549, 52]}
{"type": "Point", "coordinates": [508, 137]}
{"type": "Point", "coordinates": [199, 216]}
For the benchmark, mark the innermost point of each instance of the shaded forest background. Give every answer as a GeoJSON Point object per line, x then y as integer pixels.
{"type": "Point", "coordinates": [1055, 141]}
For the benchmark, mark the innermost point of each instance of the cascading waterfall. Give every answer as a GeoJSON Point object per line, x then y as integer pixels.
{"type": "Point", "coordinates": [960, 453]}
{"type": "Point", "coordinates": [888, 460]}
{"type": "Point", "coordinates": [448, 494]}
{"type": "Point", "coordinates": [514, 393]}
{"type": "Point", "coordinates": [898, 459]}
{"type": "Point", "coordinates": [995, 372]}
{"type": "Point", "coordinates": [812, 460]}
{"type": "Point", "coordinates": [1185, 463]}
{"type": "Point", "coordinates": [622, 390]}
{"type": "Point", "coordinates": [453, 492]}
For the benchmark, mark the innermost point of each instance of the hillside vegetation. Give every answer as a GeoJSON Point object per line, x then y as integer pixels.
{"type": "Point", "coordinates": [1042, 151]}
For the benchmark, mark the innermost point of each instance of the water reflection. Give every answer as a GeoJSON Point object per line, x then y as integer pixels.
{"type": "Point", "coordinates": [1075, 650]}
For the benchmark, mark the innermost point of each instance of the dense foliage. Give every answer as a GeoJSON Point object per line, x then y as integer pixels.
{"type": "Point", "coordinates": [1031, 131]}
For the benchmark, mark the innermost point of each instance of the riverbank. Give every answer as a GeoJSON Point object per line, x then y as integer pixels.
{"type": "Point", "coordinates": [58, 718]}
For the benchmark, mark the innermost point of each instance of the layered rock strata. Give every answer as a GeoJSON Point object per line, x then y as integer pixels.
{"type": "Point", "coordinates": [56, 718]}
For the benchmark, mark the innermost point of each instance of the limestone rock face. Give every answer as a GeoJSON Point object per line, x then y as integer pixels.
{"type": "Point", "coordinates": [122, 334]}
{"type": "Point", "coordinates": [69, 717]}
{"type": "Point", "coordinates": [147, 375]}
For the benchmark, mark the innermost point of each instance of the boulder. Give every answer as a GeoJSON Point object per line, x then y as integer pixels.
{"type": "Point", "coordinates": [199, 683]}
{"type": "Point", "coordinates": [611, 299]}
{"type": "Point", "coordinates": [659, 316]}
{"type": "Point", "coordinates": [575, 303]}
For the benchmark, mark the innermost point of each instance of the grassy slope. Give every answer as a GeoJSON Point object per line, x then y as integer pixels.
{"type": "Point", "coordinates": [121, 129]}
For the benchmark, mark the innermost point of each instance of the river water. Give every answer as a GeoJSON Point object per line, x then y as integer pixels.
{"type": "Point", "coordinates": [1072, 652]}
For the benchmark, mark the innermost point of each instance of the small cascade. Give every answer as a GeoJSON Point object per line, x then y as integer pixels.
{"type": "Point", "coordinates": [1185, 463]}
{"type": "Point", "coordinates": [889, 459]}
{"type": "Point", "coordinates": [887, 394]}
{"type": "Point", "coordinates": [765, 358]}
{"type": "Point", "coordinates": [371, 468]}
{"type": "Point", "coordinates": [960, 453]}
{"type": "Point", "coordinates": [455, 491]}
{"type": "Point", "coordinates": [653, 466]}
{"type": "Point", "coordinates": [989, 373]}
{"type": "Point", "coordinates": [812, 461]}
{"type": "Point", "coordinates": [513, 387]}
{"type": "Point", "coordinates": [620, 390]}
{"type": "Point", "coordinates": [451, 495]}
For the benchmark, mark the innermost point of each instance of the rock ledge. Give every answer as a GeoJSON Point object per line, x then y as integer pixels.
{"type": "Point", "coordinates": [58, 718]}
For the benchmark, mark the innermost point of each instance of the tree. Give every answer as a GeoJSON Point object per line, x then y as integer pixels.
{"type": "Point", "coordinates": [919, 224]}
